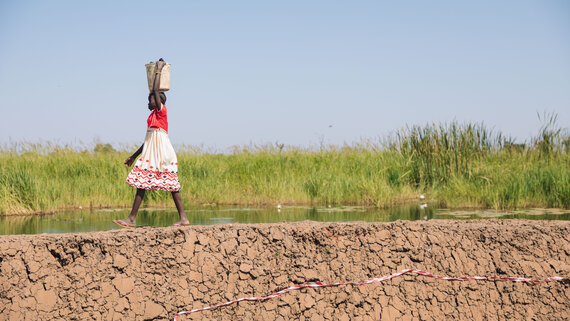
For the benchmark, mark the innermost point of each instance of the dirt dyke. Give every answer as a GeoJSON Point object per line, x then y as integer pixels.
{"type": "Point", "coordinates": [152, 273]}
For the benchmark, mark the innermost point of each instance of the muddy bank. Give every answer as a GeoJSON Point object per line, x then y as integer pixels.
{"type": "Point", "coordinates": [152, 273]}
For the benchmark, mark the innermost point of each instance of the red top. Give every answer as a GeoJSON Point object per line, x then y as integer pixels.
{"type": "Point", "coordinates": [157, 119]}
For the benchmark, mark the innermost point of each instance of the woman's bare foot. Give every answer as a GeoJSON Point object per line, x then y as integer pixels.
{"type": "Point", "coordinates": [182, 222]}
{"type": "Point", "coordinates": [125, 223]}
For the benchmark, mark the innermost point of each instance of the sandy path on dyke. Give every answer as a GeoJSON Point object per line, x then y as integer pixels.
{"type": "Point", "coordinates": [152, 273]}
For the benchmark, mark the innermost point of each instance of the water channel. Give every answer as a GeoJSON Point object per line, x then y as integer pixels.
{"type": "Point", "coordinates": [73, 221]}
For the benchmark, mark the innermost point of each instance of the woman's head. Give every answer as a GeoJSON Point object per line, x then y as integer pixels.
{"type": "Point", "coordinates": [152, 104]}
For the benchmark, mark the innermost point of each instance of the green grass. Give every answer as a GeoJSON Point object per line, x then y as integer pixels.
{"type": "Point", "coordinates": [457, 165]}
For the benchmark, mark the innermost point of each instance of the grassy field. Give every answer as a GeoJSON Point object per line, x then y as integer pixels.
{"type": "Point", "coordinates": [454, 165]}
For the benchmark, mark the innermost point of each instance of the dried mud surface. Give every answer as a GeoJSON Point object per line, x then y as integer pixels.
{"type": "Point", "coordinates": [152, 273]}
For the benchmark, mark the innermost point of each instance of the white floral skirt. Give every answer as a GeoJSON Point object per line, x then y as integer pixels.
{"type": "Point", "coordinates": [157, 166]}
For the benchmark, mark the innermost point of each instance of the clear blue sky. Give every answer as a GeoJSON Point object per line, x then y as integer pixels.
{"type": "Point", "coordinates": [264, 71]}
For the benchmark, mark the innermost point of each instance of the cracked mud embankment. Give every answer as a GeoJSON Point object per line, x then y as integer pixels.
{"type": "Point", "coordinates": [152, 273]}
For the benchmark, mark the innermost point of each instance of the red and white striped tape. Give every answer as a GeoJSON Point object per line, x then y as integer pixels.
{"type": "Point", "coordinates": [374, 280]}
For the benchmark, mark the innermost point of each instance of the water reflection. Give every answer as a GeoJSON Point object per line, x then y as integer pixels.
{"type": "Point", "coordinates": [100, 220]}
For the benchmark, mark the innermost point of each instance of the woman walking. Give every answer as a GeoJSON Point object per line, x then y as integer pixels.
{"type": "Point", "coordinates": [157, 167]}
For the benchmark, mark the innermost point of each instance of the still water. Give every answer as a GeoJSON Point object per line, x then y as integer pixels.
{"type": "Point", "coordinates": [101, 219]}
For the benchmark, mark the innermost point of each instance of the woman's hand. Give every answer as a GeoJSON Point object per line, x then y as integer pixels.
{"type": "Point", "coordinates": [160, 64]}
{"type": "Point", "coordinates": [129, 161]}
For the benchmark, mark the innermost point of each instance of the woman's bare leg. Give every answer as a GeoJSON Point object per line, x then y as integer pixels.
{"type": "Point", "coordinates": [178, 202]}
{"type": "Point", "coordinates": [136, 204]}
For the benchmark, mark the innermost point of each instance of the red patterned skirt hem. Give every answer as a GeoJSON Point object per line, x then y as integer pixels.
{"type": "Point", "coordinates": [153, 180]}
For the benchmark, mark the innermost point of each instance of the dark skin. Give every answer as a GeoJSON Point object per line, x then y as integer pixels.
{"type": "Point", "coordinates": [154, 102]}
{"type": "Point", "coordinates": [152, 105]}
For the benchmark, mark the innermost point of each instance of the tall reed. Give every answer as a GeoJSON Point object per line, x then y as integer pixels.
{"type": "Point", "coordinates": [436, 152]}
{"type": "Point", "coordinates": [454, 164]}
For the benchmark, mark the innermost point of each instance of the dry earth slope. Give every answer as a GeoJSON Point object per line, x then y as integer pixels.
{"type": "Point", "coordinates": [152, 273]}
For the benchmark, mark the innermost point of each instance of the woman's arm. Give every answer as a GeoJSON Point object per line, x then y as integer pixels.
{"type": "Point", "coordinates": [132, 158]}
{"type": "Point", "coordinates": [156, 85]}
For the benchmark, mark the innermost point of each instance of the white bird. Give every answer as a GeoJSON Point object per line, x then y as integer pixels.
{"type": "Point", "coordinates": [278, 206]}
{"type": "Point", "coordinates": [422, 197]}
